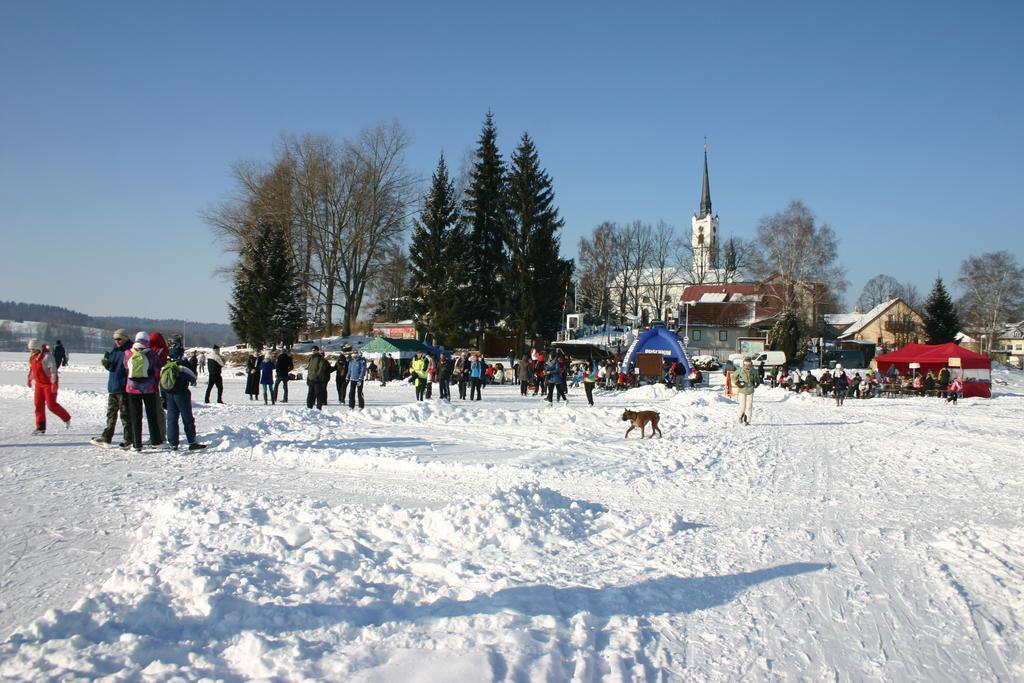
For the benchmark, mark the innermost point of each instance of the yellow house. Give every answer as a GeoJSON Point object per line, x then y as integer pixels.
{"type": "Point", "coordinates": [890, 324]}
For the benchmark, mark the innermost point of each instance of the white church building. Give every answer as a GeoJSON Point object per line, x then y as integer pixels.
{"type": "Point", "coordinates": [655, 293]}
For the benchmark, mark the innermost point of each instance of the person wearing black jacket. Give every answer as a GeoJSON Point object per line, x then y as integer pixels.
{"type": "Point", "coordinates": [60, 355]}
{"type": "Point", "coordinates": [214, 367]}
{"type": "Point", "coordinates": [282, 366]}
{"type": "Point", "coordinates": [340, 371]}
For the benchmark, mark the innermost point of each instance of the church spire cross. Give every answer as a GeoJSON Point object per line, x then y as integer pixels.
{"type": "Point", "coordinates": [705, 190]}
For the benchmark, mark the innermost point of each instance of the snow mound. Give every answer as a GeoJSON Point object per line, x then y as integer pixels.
{"type": "Point", "coordinates": [228, 584]}
{"type": "Point", "coordinates": [510, 519]}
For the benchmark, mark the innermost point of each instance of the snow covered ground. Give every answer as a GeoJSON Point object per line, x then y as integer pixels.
{"type": "Point", "coordinates": [505, 540]}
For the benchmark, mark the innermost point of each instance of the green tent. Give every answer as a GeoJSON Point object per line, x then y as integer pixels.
{"type": "Point", "coordinates": [400, 349]}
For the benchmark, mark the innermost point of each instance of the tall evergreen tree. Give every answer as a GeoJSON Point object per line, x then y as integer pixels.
{"type": "Point", "coordinates": [285, 290]}
{"type": "Point", "coordinates": [536, 277]}
{"type": "Point", "coordinates": [266, 305]}
{"type": "Point", "coordinates": [485, 215]}
{"type": "Point", "coordinates": [941, 322]}
{"type": "Point", "coordinates": [434, 259]}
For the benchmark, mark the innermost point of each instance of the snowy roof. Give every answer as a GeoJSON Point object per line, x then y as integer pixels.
{"type": "Point", "coordinates": [840, 319]}
{"type": "Point", "coordinates": [713, 297]}
{"type": "Point", "coordinates": [865, 319]}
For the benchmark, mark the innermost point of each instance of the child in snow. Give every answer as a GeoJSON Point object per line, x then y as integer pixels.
{"type": "Point", "coordinates": [955, 388]}
{"type": "Point", "coordinates": [42, 369]}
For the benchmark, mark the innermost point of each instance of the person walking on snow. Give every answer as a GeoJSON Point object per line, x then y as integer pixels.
{"type": "Point", "coordinates": [42, 369]}
{"type": "Point", "coordinates": [252, 377]}
{"type": "Point", "coordinates": [477, 372]}
{"type": "Point", "coordinates": [179, 398]}
{"type": "Point", "coordinates": [215, 366]}
{"type": "Point", "coordinates": [418, 370]}
{"type": "Point", "coordinates": [356, 376]}
{"type": "Point", "coordinates": [840, 384]}
{"type": "Point", "coordinates": [318, 371]}
{"type": "Point", "coordinates": [523, 374]}
{"type": "Point", "coordinates": [202, 361]}
{"type": "Point", "coordinates": [341, 376]}
{"type": "Point", "coordinates": [117, 403]}
{"type": "Point", "coordinates": [589, 380]}
{"type": "Point", "coordinates": [143, 370]}
{"type": "Point", "coordinates": [444, 373]}
{"type": "Point", "coordinates": [60, 355]}
{"type": "Point", "coordinates": [266, 370]}
{"type": "Point", "coordinates": [746, 381]}
{"type": "Point", "coordinates": [461, 369]}
{"type": "Point", "coordinates": [282, 367]}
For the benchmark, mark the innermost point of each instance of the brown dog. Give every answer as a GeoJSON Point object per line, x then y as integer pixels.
{"type": "Point", "coordinates": [641, 419]}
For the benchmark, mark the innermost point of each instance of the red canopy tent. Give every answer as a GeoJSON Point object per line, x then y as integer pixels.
{"type": "Point", "coordinates": [975, 368]}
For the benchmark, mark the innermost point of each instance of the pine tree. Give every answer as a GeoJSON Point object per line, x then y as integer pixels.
{"type": "Point", "coordinates": [285, 292]}
{"type": "Point", "coordinates": [485, 214]}
{"type": "Point", "coordinates": [434, 259]}
{"type": "Point", "coordinates": [786, 336]}
{"type": "Point", "coordinates": [266, 299]}
{"type": "Point", "coordinates": [536, 277]}
{"type": "Point", "coordinates": [941, 322]}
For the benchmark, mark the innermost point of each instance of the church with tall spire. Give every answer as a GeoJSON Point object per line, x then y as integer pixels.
{"type": "Point", "coordinates": [704, 233]}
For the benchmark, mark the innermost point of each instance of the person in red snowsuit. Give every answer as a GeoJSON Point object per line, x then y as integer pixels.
{"type": "Point", "coordinates": [42, 369]}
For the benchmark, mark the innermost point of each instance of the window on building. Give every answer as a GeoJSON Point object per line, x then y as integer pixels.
{"type": "Point", "coordinates": [695, 335]}
{"type": "Point", "coordinates": [723, 335]}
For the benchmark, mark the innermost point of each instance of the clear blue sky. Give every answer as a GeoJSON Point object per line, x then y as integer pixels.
{"type": "Point", "coordinates": [900, 124]}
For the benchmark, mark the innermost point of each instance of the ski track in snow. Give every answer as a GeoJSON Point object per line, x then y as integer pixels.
{"type": "Point", "coordinates": [508, 540]}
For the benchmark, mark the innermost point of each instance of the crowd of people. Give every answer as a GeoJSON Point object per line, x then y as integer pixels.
{"type": "Point", "coordinates": [146, 375]}
{"type": "Point", "coordinates": [838, 384]}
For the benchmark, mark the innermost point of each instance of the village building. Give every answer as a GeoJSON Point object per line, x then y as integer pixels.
{"type": "Point", "coordinates": [889, 325]}
{"type": "Point", "coordinates": [654, 293]}
{"type": "Point", "coordinates": [1009, 346]}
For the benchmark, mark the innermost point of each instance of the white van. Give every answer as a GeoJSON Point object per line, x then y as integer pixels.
{"type": "Point", "coordinates": [771, 359]}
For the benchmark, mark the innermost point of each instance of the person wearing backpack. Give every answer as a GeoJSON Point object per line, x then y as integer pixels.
{"type": "Point", "coordinates": [117, 404]}
{"type": "Point", "coordinates": [283, 366]}
{"type": "Point", "coordinates": [175, 378]}
{"type": "Point", "coordinates": [143, 375]}
{"type": "Point", "coordinates": [214, 367]}
{"type": "Point", "coordinates": [341, 376]}
{"type": "Point", "coordinates": [42, 369]}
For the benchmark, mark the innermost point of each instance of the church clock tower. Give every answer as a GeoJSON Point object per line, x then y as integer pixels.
{"type": "Point", "coordinates": [704, 237]}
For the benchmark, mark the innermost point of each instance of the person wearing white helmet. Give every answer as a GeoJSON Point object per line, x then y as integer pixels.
{"type": "Point", "coordinates": [840, 384]}
{"type": "Point", "coordinates": [42, 370]}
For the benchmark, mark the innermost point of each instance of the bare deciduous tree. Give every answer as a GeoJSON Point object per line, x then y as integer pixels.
{"type": "Point", "coordinates": [993, 285]}
{"type": "Point", "coordinates": [660, 273]}
{"type": "Point", "coordinates": [630, 257]}
{"type": "Point", "coordinates": [882, 288]}
{"type": "Point", "coordinates": [597, 271]}
{"type": "Point", "coordinates": [800, 256]}
{"type": "Point", "coordinates": [345, 205]}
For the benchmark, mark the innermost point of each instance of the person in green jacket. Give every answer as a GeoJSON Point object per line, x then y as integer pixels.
{"type": "Point", "coordinates": [418, 369]}
{"type": "Point", "coordinates": [746, 382]}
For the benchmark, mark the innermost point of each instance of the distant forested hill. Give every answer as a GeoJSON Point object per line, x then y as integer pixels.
{"type": "Point", "coordinates": [79, 331]}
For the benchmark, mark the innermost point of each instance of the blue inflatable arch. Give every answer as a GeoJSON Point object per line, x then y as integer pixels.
{"type": "Point", "coordinates": [657, 340]}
